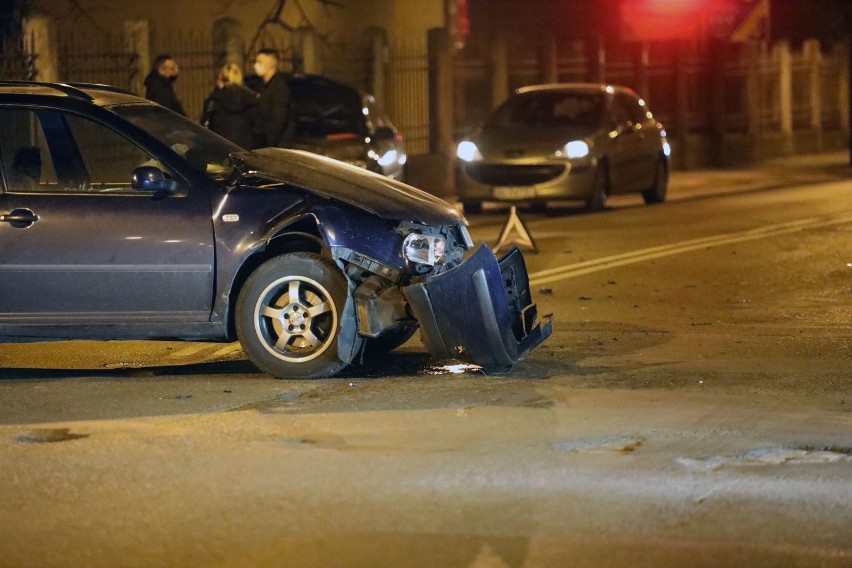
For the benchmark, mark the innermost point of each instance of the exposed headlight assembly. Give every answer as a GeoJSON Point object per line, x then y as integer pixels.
{"type": "Point", "coordinates": [424, 249]}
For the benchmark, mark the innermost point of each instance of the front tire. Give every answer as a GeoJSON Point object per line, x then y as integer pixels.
{"type": "Point", "coordinates": [657, 192]}
{"type": "Point", "coordinates": [597, 201]}
{"type": "Point", "coordinates": [288, 316]}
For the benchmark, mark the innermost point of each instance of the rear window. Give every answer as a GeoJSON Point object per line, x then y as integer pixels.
{"type": "Point", "coordinates": [549, 108]}
{"type": "Point", "coordinates": [327, 110]}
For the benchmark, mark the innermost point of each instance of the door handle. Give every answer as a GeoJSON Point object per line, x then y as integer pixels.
{"type": "Point", "coordinates": [19, 218]}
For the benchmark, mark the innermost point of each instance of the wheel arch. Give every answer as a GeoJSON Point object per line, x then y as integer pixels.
{"type": "Point", "coordinates": [303, 235]}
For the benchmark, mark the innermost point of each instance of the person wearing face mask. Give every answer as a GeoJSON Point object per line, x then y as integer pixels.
{"type": "Point", "coordinates": [159, 84]}
{"type": "Point", "coordinates": [274, 100]}
{"type": "Point", "coordinates": [231, 110]}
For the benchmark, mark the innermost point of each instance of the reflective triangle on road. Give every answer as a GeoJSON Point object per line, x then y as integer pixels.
{"type": "Point", "coordinates": [515, 232]}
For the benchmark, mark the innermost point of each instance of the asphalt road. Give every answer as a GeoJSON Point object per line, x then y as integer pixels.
{"type": "Point", "coordinates": [691, 409]}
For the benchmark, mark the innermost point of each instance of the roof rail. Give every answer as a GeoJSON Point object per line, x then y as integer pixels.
{"type": "Point", "coordinates": [65, 88]}
{"type": "Point", "coordinates": [101, 87]}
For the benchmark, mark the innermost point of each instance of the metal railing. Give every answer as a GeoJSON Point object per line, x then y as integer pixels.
{"type": "Point", "coordinates": [18, 60]}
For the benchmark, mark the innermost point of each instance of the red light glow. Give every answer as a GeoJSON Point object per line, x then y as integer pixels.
{"type": "Point", "coordinates": [660, 20]}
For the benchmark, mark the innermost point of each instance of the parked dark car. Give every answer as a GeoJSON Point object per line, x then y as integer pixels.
{"type": "Point", "coordinates": [338, 121]}
{"type": "Point", "coordinates": [565, 142]}
{"type": "Point", "coordinates": [121, 219]}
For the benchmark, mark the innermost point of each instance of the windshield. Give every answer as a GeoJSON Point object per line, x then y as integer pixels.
{"type": "Point", "coordinates": [549, 108]}
{"type": "Point", "coordinates": [201, 148]}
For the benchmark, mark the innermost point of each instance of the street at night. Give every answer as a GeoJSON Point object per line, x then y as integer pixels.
{"type": "Point", "coordinates": [692, 408]}
{"type": "Point", "coordinates": [426, 284]}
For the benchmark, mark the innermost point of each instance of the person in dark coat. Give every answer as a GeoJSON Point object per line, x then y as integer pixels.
{"type": "Point", "coordinates": [274, 100]}
{"type": "Point", "coordinates": [232, 110]}
{"type": "Point", "coordinates": [159, 84]}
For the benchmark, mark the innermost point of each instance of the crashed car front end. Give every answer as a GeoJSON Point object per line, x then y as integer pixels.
{"type": "Point", "coordinates": [408, 260]}
{"type": "Point", "coordinates": [480, 311]}
{"type": "Point", "coordinates": [477, 309]}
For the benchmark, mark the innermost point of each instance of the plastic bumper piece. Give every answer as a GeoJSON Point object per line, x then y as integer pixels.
{"type": "Point", "coordinates": [480, 311]}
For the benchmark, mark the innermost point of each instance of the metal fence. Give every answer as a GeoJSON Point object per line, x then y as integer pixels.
{"type": "Point", "coordinates": [95, 58]}
{"type": "Point", "coordinates": [472, 88]}
{"type": "Point", "coordinates": [348, 63]}
{"type": "Point", "coordinates": [17, 62]}
{"type": "Point", "coordinates": [744, 95]}
{"type": "Point", "coordinates": [407, 93]}
{"type": "Point", "coordinates": [830, 69]}
{"type": "Point", "coordinates": [735, 107]}
{"type": "Point", "coordinates": [749, 73]}
{"type": "Point", "coordinates": [193, 53]}
{"type": "Point", "coordinates": [105, 58]}
{"type": "Point", "coordinates": [800, 69]}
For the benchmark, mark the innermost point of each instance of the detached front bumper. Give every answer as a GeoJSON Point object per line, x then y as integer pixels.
{"type": "Point", "coordinates": [480, 311]}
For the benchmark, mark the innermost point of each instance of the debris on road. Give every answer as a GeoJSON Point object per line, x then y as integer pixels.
{"type": "Point", "coordinates": [48, 435]}
{"type": "Point", "coordinates": [605, 444]}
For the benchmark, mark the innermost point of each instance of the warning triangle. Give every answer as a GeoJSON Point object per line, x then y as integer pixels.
{"type": "Point", "coordinates": [515, 232]}
{"type": "Point", "coordinates": [487, 558]}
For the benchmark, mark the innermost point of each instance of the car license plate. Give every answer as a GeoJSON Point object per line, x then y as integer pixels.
{"type": "Point", "coordinates": [514, 193]}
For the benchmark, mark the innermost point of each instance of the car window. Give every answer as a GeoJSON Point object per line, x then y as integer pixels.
{"type": "Point", "coordinates": [199, 147]}
{"type": "Point", "coordinates": [27, 164]}
{"type": "Point", "coordinates": [627, 110]}
{"type": "Point", "coordinates": [549, 108]}
{"type": "Point", "coordinates": [325, 110]}
{"type": "Point", "coordinates": [52, 151]}
{"type": "Point", "coordinates": [108, 157]}
{"type": "Point", "coordinates": [620, 112]}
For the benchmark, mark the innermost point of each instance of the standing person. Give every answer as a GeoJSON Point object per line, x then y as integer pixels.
{"type": "Point", "coordinates": [159, 84]}
{"type": "Point", "coordinates": [232, 110]}
{"type": "Point", "coordinates": [274, 100]}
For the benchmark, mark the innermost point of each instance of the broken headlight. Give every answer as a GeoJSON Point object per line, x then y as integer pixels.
{"type": "Point", "coordinates": [424, 249]}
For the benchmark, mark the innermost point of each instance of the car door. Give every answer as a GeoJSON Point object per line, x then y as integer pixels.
{"type": "Point", "coordinates": [78, 245]}
{"type": "Point", "coordinates": [647, 142]}
{"type": "Point", "coordinates": [624, 147]}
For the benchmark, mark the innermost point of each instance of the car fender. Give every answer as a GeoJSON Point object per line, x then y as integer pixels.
{"type": "Point", "coordinates": [331, 236]}
{"type": "Point", "coordinates": [340, 230]}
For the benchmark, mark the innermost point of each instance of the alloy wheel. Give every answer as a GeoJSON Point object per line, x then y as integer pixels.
{"type": "Point", "coordinates": [295, 319]}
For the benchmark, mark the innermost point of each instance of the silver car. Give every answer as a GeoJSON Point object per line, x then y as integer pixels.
{"type": "Point", "coordinates": [579, 142]}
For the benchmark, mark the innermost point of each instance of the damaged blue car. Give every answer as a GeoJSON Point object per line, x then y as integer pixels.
{"type": "Point", "coordinates": [122, 220]}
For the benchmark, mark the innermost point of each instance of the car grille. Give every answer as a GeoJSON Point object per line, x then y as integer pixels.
{"type": "Point", "coordinates": [505, 174]}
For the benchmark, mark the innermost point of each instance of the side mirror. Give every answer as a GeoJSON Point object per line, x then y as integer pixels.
{"type": "Point", "coordinates": [152, 178]}
{"type": "Point", "coordinates": [384, 133]}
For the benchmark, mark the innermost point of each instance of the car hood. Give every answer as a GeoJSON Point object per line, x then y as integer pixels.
{"type": "Point", "coordinates": [499, 143]}
{"type": "Point", "coordinates": [332, 179]}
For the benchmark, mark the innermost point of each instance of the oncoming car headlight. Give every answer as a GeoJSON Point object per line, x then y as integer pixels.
{"type": "Point", "coordinates": [424, 249]}
{"type": "Point", "coordinates": [574, 149]}
{"type": "Point", "coordinates": [389, 158]}
{"type": "Point", "coordinates": [468, 152]}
